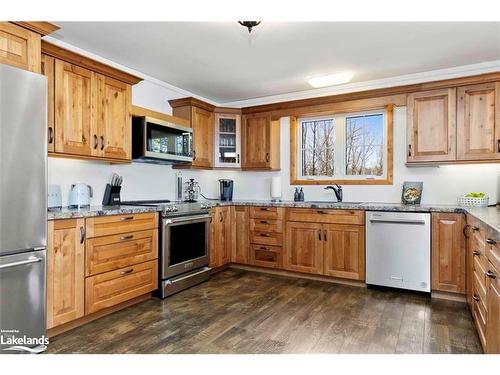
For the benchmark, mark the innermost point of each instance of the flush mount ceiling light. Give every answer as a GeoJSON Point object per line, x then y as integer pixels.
{"type": "Point", "coordinates": [330, 79]}
{"type": "Point", "coordinates": [249, 24]}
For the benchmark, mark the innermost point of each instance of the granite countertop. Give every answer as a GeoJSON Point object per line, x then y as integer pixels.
{"type": "Point", "coordinates": [488, 215]}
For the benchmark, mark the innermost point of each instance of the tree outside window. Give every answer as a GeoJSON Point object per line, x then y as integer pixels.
{"type": "Point", "coordinates": [318, 139]}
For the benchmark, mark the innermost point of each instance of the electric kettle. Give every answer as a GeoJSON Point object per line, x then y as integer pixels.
{"type": "Point", "coordinates": [79, 195]}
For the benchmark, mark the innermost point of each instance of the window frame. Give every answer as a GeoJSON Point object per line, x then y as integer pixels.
{"type": "Point", "coordinates": [339, 120]}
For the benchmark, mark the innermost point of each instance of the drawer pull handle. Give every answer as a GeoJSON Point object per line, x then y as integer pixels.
{"type": "Point", "coordinates": [264, 222]}
{"type": "Point", "coordinates": [264, 209]}
{"type": "Point", "coordinates": [476, 252]}
{"type": "Point", "coordinates": [264, 248]}
{"type": "Point", "coordinates": [127, 218]}
{"type": "Point", "coordinates": [475, 298]}
{"type": "Point", "coordinates": [322, 212]}
{"type": "Point", "coordinates": [127, 271]}
{"type": "Point", "coordinates": [475, 228]}
{"type": "Point", "coordinates": [491, 274]}
{"type": "Point", "coordinates": [324, 235]}
{"type": "Point", "coordinates": [264, 235]}
{"type": "Point", "coordinates": [129, 237]}
{"type": "Point", "coordinates": [491, 241]}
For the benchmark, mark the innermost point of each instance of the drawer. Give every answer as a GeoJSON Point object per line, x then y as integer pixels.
{"type": "Point", "coordinates": [493, 249]}
{"type": "Point", "coordinates": [116, 224]}
{"type": "Point", "coordinates": [329, 216]}
{"type": "Point", "coordinates": [266, 238]}
{"type": "Point", "coordinates": [480, 269]}
{"type": "Point", "coordinates": [477, 229]}
{"type": "Point", "coordinates": [479, 286]}
{"type": "Point", "coordinates": [266, 256]}
{"type": "Point", "coordinates": [480, 322]}
{"type": "Point", "coordinates": [272, 213]}
{"type": "Point", "coordinates": [266, 225]}
{"type": "Point", "coordinates": [109, 253]}
{"type": "Point", "coordinates": [114, 287]}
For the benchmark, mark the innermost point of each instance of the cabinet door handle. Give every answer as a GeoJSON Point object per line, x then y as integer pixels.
{"type": "Point", "coordinates": [498, 145]}
{"type": "Point", "coordinates": [476, 252]}
{"type": "Point", "coordinates": [102, 142]}
{"type": "Point", "coordinates": [267, 157]}
{"type": "Point", "coordinates": [238, 158]}
{"type": "Point", "coordinates": [82, 234]}
{"type": "Point", "coordinates": [409, 150]}
{"type": "Point", "coordinates": [127, 271]}
{"type": "Point", "coordinates": [464, 230]}
{"type": "Point", "coordinates": [491, 241]}
{"type": "Point", "coordinates": [475, 297]}
{"type": "Point", "coordinates": [129, 237]}
{"type": "Point", "coordinates": [126, 218]}
{"type": "Point", "coordinates": [96, 141]}
{"type": "Point", "coordinates": [324, 235]}
{"type": "Point", "coordinates": [491, 274]}
{"type": "Point", "coordinates": [221, 218]}
{"type": "Point", "coordinates": [51, 135]}
{"type": "Point", "coordinates": [194, 155]}
{"type": "Point", "coordinates": [319, 234]}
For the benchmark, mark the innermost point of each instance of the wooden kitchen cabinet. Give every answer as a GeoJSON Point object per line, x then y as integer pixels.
{"type": "Point", "coordinates": [241, 235]}
{"type": "Point", "coordinates": [221, 243]}
{"type": "Point", "coordinates": [19, 47]}
{"type": "Point", "coordinates": [478, 122]}
{"type": "Point", "coordinates": [114, 120]}
{"type": "Point", "coordinates": [344, 251]}
{"type": "Point", "coordinates": [48, 69]}
{"type": "Point", "coordinates": [448, 252]}
{"type": "Point", "coordinates": [75, 129]}
{"type": "Point", "coordinates": [304, 247]}
{"type": "Point", "coordinates": [493, 305]}
{"type": "Point", "coordinates": [260, 142]}
{"type": "Point", "coordinates": [227, 143]}
{"type": "Point", "coordinates": [431, 125]}
{"type": "Point", "coordinates": [65, 271]}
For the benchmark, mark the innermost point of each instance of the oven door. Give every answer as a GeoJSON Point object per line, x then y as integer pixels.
{"type": "Point", "coordinates": [185, 244]}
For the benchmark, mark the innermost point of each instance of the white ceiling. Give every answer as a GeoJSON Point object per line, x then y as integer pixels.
{"type": "Point", "coordinates": [222, 62]}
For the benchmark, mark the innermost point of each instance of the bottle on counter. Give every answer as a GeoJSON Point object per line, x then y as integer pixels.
{"type": "Point", "coordinates": [296, 195]}
{"type": "Point", "coordinates": [301, 195]}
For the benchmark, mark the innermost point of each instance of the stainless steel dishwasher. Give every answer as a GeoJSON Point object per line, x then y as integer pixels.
{"type": "Point", "coordinates": [398, 250]}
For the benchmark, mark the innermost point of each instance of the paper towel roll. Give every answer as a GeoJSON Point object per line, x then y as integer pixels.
{"type": "Point", "coordinates": [276, 188]}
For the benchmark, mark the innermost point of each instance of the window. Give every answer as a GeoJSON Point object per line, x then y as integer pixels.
{"type": "Point", "coordinates": [349, 148]}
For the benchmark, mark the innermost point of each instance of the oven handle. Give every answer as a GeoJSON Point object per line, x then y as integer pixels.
{"type": "Point", "coordinates": [185, 219]}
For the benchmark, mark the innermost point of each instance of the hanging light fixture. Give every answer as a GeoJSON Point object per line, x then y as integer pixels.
{"type": "Point", "coordinates": [249, 24]}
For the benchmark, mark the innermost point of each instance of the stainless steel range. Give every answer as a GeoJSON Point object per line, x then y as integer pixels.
{"type": "Point", "coordinates": [183, 242]}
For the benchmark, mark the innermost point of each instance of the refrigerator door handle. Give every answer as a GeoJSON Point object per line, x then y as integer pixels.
{"type": "Point", "coordinates": [21, 262]}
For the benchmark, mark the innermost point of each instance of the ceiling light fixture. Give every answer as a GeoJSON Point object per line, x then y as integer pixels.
{"type": "Point", "coordinates": [249, 24]}
{"type": "Point", "coordinates": [330, 79]}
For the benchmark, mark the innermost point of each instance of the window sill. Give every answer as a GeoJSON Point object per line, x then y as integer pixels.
{"type": "Point", "coordinates": [385, 181]}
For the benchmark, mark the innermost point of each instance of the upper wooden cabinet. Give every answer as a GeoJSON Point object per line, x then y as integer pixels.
{"type": "Point", "coordinates": [448, 252]}
{"type": "Point", "coordinates": [227, 143]}
{"type": "Point", "coordinates": [19, 47]}
{"type": "Point", "coordinates": [201, 117]}
{"type": "Point", "coordinates": [431, 125]}
{"type": "Point", "coordinates": [260, 142]}
{"type": "Point", "coordinates": [478, 122]}
{"type": "Point", "coordinates": [65, 271]}
{"type": "Point", "coordinates": [89, 106]}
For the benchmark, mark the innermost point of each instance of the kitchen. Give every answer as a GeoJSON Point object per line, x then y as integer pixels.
{"type": "Point", "coordinates": [177, 212]}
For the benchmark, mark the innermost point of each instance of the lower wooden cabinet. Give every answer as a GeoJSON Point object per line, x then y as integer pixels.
{"type": "Point", "coordinates": [240, 248]}
{"type": "Point", "coordinates": [65, 271]}
{"type": "Point", "coordinates": [221, 237]}
{"type": "Point", "coordinates": [493, 306]}
{"type": "Point", "coordinates": [448, 252]}
{"type": "Point", "coordinates": [304, 247]}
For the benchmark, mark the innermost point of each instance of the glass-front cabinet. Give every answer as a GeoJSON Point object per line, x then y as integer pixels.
{"type": "Point", "coordinates": [227, 140]}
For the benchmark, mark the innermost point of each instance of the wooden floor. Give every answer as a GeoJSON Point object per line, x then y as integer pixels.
{"type": "Point", "coordinates": [247, 312]}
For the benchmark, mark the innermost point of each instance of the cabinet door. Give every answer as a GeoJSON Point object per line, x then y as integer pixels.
{"type": "Point", "coordinates": [493, 326]}
{"type": "Point", "coordinates": [213, 253]}
{"type": "Point", "coordinates": [48, 66]}
{"type": "Point", "coordinates": [256, 137]}
{"type": "Point", "coordinates": [448, 252]}
{"type": "Point", "coordinates": [221, 242]}
{"type": "Point", "coordinates": [19, 47]}
{"type": "Point", "coordinates": [113, 118]}
{"type": "Point", "coordinates": [304, 247]}
{"type": "Point", "coordinates": [431, 125]}
{"type": "Point", "coordinates": [478, 122]}
{"type": "Point", "coordinates": [241, 235]}
{"type": "Point", "coordinates": [227, 140]}
{"type": "Point", "coordinates": [203, 139]}
{"type": "Point", "coordinates": [73, 110]}
{"type": "Point", "coordinates": [65, 271]}
{"type": "Point", "coordinates": [344, 251]}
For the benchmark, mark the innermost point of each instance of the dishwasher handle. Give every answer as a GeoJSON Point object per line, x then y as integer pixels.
{"type": "Point", "coordinates": [397, 221]}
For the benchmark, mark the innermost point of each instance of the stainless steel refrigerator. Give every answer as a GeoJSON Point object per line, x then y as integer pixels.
{"type": "Point", "coordinates": [23, 209]}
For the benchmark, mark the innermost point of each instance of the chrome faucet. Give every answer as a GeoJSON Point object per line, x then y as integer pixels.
{"type": "Point", "coordinates": [337, 189]}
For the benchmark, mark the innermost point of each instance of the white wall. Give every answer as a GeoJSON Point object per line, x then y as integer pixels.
{"type": "Point", "coordinates": [147, 181]}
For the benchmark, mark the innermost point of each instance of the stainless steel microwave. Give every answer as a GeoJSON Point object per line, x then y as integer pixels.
{"type": "Point", "coordinates": [160, 142]}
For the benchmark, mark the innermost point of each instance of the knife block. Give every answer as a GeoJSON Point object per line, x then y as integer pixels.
{"type": "Point", "coordinates": [111, 195]}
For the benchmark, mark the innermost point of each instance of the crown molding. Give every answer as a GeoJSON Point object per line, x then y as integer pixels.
{"type": "Point", "coordinates": [40, 27]}
{"type": "Point", "coordinates": [403, 80]}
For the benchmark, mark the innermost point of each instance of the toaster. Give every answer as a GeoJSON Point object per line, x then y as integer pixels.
{"type": "Point", "coordinates": [54, 197]}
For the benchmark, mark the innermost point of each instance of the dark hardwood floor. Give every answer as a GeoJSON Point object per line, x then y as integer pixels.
{"type": "Point", "coordinates": [247, 312]}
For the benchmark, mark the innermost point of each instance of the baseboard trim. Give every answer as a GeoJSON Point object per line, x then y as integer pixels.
{"type": "Point", "coordinates": [448, 296]}
{"type": "Point", "coordinates": [52, 332]}
{"type": "Point", "coordinates": [298, 275]}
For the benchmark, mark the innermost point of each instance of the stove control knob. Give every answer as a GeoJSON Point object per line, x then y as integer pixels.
{"type": "Point", "coordinates": [175, 208]}
{"type": "Point", "coordinates": [168, 209]}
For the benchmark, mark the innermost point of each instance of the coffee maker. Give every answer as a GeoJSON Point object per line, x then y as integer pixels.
{"type": "Point", "coordinates": [226, 190]}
